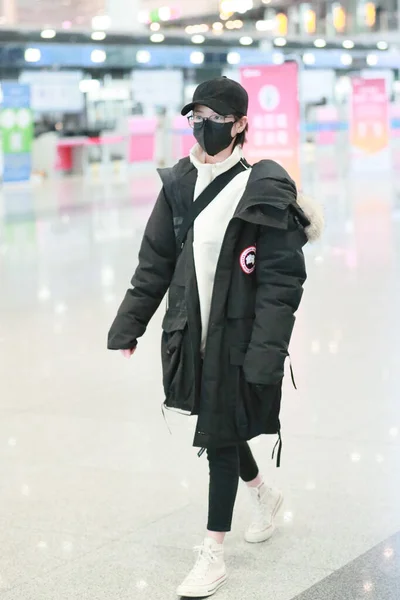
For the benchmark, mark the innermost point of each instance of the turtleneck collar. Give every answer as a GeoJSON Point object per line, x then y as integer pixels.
{"type": "Point", "coordinates": [198, 156]}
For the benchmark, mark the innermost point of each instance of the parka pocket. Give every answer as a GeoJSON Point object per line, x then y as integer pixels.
{"type": "Point", "coordinates": [177, 376]}
{"type": "Point", "coordinates": [257, 407]}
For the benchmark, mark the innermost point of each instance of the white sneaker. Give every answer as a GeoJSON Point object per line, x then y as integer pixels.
{"type": "Point", "coordinates": [266, 505]}
{"type": "Point", "coordinates": [208, 574]}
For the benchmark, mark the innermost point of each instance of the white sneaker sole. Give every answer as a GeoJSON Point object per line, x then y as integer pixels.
{"type": "Point", "coordinates": [203, 591]}
{"type": "Point", "coordinates": [265, 535]}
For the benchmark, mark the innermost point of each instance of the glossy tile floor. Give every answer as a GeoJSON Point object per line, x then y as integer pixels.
{"type": "Point", "coordinates": [98, 500]}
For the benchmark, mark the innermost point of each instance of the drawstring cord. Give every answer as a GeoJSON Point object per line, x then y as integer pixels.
{"type": "Point", "coordinates": [278, 445]}
{"type": "Point", "coordinates": [292, 372]}
{"type": "Point", "coordinates": [201, 451]}
{"type": "Point", "coordinates": [165, 418]}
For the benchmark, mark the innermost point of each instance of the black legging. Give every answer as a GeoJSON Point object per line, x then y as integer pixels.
{"type": "Point", "coordinates": [226, 466]}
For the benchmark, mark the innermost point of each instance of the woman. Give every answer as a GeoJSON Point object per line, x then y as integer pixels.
{"type": "Point", "coordinates": [234, 267]}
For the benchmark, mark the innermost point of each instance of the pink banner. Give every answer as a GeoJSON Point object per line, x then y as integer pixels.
{"type": "Point", "coordinates": [274, 115]}
{"type": "Point", "coordinates": [369, 124]}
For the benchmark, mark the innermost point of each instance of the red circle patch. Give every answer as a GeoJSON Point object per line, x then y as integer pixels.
{"type": "Point", "coordinates": [248, 260]}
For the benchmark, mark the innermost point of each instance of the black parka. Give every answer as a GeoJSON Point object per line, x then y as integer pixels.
{"type": "Point", "coordinates": [235, 389]}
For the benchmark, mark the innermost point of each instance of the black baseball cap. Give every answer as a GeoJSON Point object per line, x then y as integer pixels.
{"type": "Point", "coordinates": [223, 95]}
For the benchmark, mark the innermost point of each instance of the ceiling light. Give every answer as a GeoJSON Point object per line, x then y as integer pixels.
{"type": "Point", "coordinates": [48, 34]}
{"type": "Point", "coordinates": [101, 22]}
{"type": "Point", "coordinates": [246, 40]}
{"type": "Point", "coordinates": [382, 45]}
{"type": "Point", "coordinates": [266, 25]}
{"type": "Point", "coordinates": [165, 13]}
{"type": "Point", "coordinates": [32, 55]}
{"type": "Point", "coordinates": [346, 59]}
{"type": "Point", "coordinates": [66, 24]}
{"type": "Point", "coordinates": [280, 41]}
{"type": "Point", "coordinates": [194, 29]}
{"type": "Point", "coordinates": [98, 36]}
{"type": "Point", "coordinates": [348, 44]}
{"type": "Point", "coordinates": [238, 24]}
{"type": "Point", "coordinates": [244, 5]}
{"type": "Point", "coordinates": [155, 26]}
{"type": "Point", "coordinates": [230, 24]}
{"type": "Point", "coordinates": [233, 58]}
{"type": "Point", "coordinates": [197, 58]}
{"type": "Point", "coordinates": [157, 38]}
{"type": "Point", "coordinates": [372, 60]}
{"type": "Point", "coordinates": [198, 39]}
{"type": "Point", "coordinates": [218, 26]}
{"type": "Point", "coordinates": [319, 43]}
{"type": "Point", "coordinates": [143, 56]}
{"type": "Point", "coordinates": [89, 85]}
{"type": "Point", "coordinates": [98, 56]}
{"type": "Point", "coordinates": [309, 58]}
{"type": "Point", "coordinates": [278, 58]}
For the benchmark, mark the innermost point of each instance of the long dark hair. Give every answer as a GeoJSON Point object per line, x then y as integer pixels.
{"type": "Point", "coordinates": [241, 137]}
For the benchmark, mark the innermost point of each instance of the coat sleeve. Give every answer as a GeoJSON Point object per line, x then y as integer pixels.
{"type": "Point", "coordinates": [151, 280]}
{"type": "Point", "coordinates": [280, 275]}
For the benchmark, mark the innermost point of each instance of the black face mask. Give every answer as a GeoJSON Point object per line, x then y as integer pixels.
{"type": "Point", "coordinates": [213, 137]}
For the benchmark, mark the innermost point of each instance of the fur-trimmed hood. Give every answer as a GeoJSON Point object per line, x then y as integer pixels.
{"type": "Point", "coordinates": [269, 194]}
{"type": "Point", "coordinates": [269, 184]}
{"type": "Point", "coordinates": [315, 215]}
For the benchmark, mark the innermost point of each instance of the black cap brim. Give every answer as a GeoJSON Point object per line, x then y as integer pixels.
{"type": "Point", "coordinates": [219, 107]}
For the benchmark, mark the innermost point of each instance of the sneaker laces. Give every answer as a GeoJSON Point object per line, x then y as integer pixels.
{"type": "Point", "coordinates": [206, 556]}
{"type": "Point", "coordinates": [261, 507]}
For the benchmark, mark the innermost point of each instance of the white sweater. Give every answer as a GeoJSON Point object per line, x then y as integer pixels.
{"type": "Point", "coordinates": [210, 226]}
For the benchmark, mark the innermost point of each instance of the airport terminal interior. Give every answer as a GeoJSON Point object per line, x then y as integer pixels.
{"type": "Point", "coordinates": [102, 496]}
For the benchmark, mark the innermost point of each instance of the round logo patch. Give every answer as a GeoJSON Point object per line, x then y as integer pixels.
{"type": "Point", "coordinates": [248, 260]}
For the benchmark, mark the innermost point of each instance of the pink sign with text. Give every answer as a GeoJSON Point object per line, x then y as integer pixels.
{"type": "Point", "coordinates": [274, 115]}
{"type": "Point", "coordinates": [369, 127]}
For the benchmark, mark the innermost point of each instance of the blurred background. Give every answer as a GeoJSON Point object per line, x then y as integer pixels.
{"type": "Point", "coordinates": [106, 78]}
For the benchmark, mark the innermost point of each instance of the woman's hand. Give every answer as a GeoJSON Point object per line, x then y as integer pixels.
{"type": "Point", "coordinates": [128, 353]}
